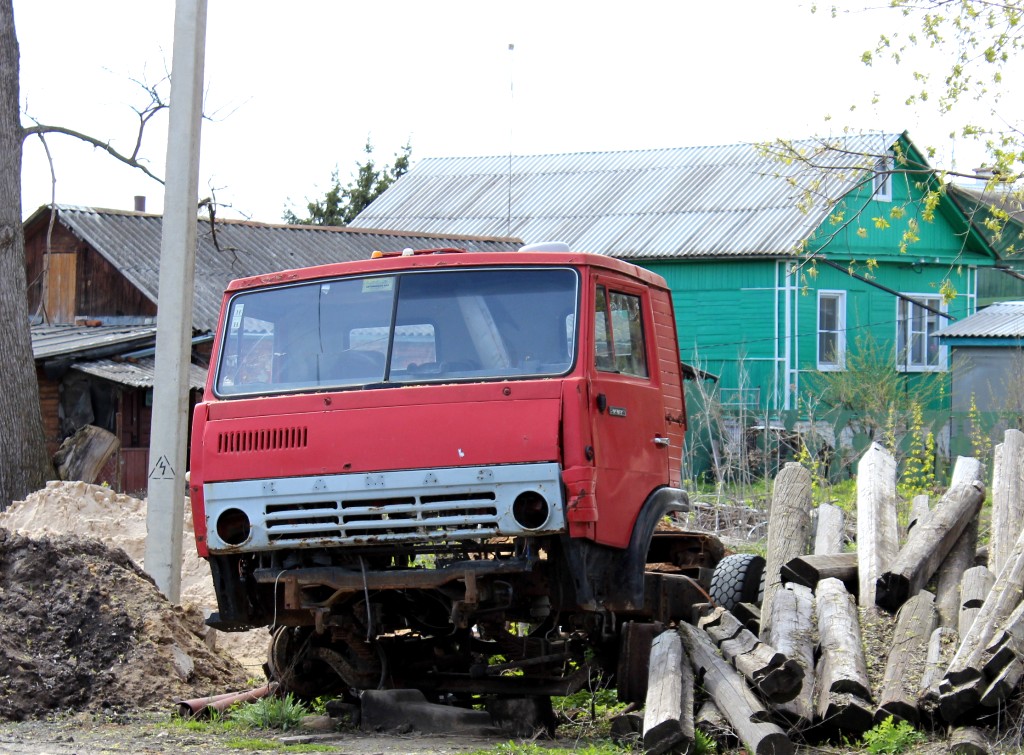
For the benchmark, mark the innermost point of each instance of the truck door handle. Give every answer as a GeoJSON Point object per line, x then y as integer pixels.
{"type": "Point", "coordinates": [661, 442]}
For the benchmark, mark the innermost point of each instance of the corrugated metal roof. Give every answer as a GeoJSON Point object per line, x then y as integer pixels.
{"type": "Point", "coordinates": [131, 242]}
{"type": "Point", "coordinates": [1002, 320]}
{"type": "Point", "coordinates": [137, 373]}
{"type": "Point", "coordinates": [732, 200]}
{"type": "Point", "coordinates": [52, 341]}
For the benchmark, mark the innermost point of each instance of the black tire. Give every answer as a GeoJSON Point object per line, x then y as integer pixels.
{"type": "Point", "coordinates": [738, 578]}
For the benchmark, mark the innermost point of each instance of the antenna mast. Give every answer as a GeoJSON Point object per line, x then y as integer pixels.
{"type": "Point", "coordinates": [511, 117]}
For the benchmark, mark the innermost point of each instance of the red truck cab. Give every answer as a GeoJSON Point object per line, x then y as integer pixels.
{"type": "Point", "coordinates": [418, 449]}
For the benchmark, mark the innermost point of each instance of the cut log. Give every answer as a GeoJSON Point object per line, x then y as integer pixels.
{"type": "Point", "coordinates": [919, 508]}
{"type": "Point", "coordinates": [951, 574]}
{"type": "Point", "coordinates": [668, 713]}
{"type": "Point", "coordinates": [1007, 498]}
{"type": "Point", "coordinates": [789, 530]}
{"type": "Point", "coordinates": [977, 582]}
{"type": "Point", "coordinates": [82, 456]}
{"type": "Point", "coordinates": [750, 615]}
{"type": "Point", "coordinates": [792, 635]}
{"type": "Point", "coordinates": [745, 713]}
{"type": "Point", "coordinates": [877, 530]}
{"type": "Point", "coordinates": [839, 637]}
{"type": "Point", "coordinates": [941, 647]}
{"type": "Point", "coordinates": [969, 740]}
{"type": "Point", "coordinates": [771, 674]}
{"type": "Point", "coordinates": [906, 664]}
{"type": "Point", "coordinates": [931, 540]}
{"type": "Point", "coordinates": [830, 534]}
{"type": "Point", "coordinates": [810, 570]}
{"type": "Point", "coordinates": [964, 682]}
{"type": "Point", "coordinates": [709, 719]}
{"type": "Point", "coordinates": [1002, 684]}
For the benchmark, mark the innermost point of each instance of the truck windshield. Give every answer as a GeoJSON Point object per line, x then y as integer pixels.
{"type": "Point", "coordinates": [414, 327]}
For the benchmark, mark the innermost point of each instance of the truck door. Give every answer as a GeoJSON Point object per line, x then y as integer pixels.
{"type": "Point", "coordinates": [631, 450]}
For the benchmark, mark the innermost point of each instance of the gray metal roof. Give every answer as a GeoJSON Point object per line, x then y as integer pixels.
{"type": "Point", "coordinates": [54, 341]}
{"type": "Point", "coordinates": [1001, 320]}
{"type": "Point", "coordinates": [131, 242]}
{"type": "Point", "coordinates": [733, 200]}
{"type": "Point", "coordinates": [137, 373]}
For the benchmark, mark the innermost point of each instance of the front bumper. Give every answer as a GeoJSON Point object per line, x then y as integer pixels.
{"type": "Point", "coordinates": [411, 506]}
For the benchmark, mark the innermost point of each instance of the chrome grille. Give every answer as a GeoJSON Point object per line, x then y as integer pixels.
{"type": "Point", "coordinates": [400, 518]}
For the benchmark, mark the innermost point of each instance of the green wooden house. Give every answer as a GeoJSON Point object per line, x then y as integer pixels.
{"type": "Point", "coordinates": [782, 260]}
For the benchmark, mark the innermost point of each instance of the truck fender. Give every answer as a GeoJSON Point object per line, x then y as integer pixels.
{"type": "Point", "coordinates": [613, 578]}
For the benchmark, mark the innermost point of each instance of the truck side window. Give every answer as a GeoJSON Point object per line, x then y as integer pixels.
{"type": "Point", "coordinates": [619, 333]}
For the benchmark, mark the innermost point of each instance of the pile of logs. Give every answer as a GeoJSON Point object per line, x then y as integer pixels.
{"type": "Point", "coordinates": [796, 667]}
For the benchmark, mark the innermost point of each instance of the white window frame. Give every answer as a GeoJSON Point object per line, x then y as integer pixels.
{"type": "Point", "coordinates": [836, 362]}
{"type": "Point", "coordinates": [907, 314]}
{"type": "Point", "coordinates": [882, 179]}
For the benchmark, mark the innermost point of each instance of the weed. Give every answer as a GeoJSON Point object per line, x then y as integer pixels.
{"type": "Point", "coordinates": [703, 744]}
{"type": "Point", "coordinates": [890, 738]}
{"type": "Point", "coordinates": [270, 712]}
{"type": "Point", "coordinates": [319, 705]}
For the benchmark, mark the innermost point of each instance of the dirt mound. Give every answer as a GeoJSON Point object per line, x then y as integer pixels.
{"type": "Point", "coordinates": [83, 628]}
{"type": "Point", "coordinates": [119, 521]}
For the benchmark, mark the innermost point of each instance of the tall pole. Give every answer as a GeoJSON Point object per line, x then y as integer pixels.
{"type": "Point", "coordinates": [166, 508]}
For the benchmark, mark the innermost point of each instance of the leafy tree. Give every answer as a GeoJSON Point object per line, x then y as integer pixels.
{"type": "Point", "coordinates": [873, 387]}
{"type": "Point", "coordinates": [979, 41]}
{"type": "Point", "coordinates": [340, 205]}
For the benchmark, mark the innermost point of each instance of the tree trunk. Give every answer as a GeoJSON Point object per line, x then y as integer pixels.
{"type": "Point", "coordinates": [789, 531]}
{"type": "Point", "coordinates": [951, 574]}
{"type": "Point", "coordinates": [775, 677]}
{"type": "Point", "coordinates": [962, 687]}
{"type": "Point", "coordinates": [941, 647]}
{"type": "Point", "coordinates": [747, 716]}
{"type": "Point", "coordinates": [792, 635]}
{"type": "Point", "coordinates": [82, 456]}
{"type": "Point", "coordinates": [841, 648]}
{"type": "Point", "coordinates": [906, 665]}
{"type": "Point", "coordinates": [24, 461]}
{"type": "Point", "coordinates": [932, 540]}
{"type": "Point", "coordinates": [877, 529]}
{"type": "Point", "coordinates": [1007, 497]}
{"type": "Point", "coordinates": [830, 534]}
{"type": "Point", "coordinates": [810, 570]}
{"type": "Point", "coordinates": [919, 509]}
{"type": "Point", "coordinates": [668, 712]}
{"type": "Point", "coordinates": [977, 581]}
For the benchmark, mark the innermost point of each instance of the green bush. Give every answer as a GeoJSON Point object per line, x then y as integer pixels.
{"type": "Point", "coordinates": [270, 712]}
{"type": "Point", "coordinates": [890, 738]}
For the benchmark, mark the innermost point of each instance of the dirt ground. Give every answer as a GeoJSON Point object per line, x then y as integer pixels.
{"type": "Point", "coordinates": [86, 734]}
{"type": "Point", "coordinates": [93, 657]}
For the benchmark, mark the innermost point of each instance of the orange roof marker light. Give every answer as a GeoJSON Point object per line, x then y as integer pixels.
{"type": "Point", "coordinates": [417, 252]}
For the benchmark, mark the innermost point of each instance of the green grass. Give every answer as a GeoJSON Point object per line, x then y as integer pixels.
{"type": "Point", "coordinates": [529, 748]}
{"type": "Point", "coordinates": [253, 743]}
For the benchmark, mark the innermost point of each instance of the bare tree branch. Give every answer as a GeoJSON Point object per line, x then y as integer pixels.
{"type": "Point", "coordinates": [132, 161]}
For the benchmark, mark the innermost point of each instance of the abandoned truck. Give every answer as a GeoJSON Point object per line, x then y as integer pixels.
{"type": "Point", "coordinates": [447, 470]}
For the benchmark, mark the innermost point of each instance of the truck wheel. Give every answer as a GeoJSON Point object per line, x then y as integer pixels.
{"type": "Point", "coordinates": [738, 578]}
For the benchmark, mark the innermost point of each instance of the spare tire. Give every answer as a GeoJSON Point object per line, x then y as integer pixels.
{"type": "Point", "coordinates": [738, 578]}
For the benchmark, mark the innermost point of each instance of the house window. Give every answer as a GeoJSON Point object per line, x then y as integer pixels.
{"type": "Point", "coordinates": [917, 346]}
{"type": "Point", "coordinates": [831, 330]}
{"type": "Point", "coordinates": [619, 333]}
{"type": "Point", "coordinates": [883, 179]}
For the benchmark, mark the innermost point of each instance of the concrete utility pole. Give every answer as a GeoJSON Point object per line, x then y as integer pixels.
{"type": "Point", "coordinates": [166, 509]}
